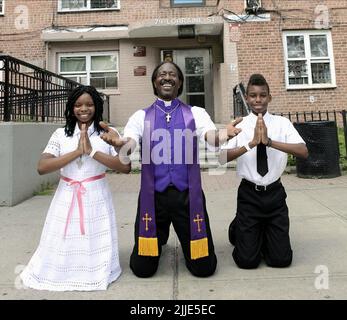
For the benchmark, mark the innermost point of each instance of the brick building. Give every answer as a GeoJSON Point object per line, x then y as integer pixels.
{"type": "Point", "coordinates": [300, 47]}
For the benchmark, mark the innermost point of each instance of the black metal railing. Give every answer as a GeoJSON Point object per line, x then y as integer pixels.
{"type": "Point", "coordinates": [29, 93]}
{"type": "Point", "coordinates": [304, 116]}
{"type": "Point", "coordinates": [241, 108]}
{"type": "Point", "coordinates": [344, 119]}
{"type": "Point", "coordinates": [339, 117]}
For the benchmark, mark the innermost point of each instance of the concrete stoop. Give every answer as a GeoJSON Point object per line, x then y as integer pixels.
{"type": "Point", "coordinates": [207, 159]}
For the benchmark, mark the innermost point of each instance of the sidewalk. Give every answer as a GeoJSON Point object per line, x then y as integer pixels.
{"type": "Point", "coordinates": [318, 215]}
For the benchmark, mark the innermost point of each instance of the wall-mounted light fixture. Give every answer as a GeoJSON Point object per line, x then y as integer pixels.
{"type": "Point", "coordinates": [186, 31]}
{"type": "Point", "coordinates": [252, 6]}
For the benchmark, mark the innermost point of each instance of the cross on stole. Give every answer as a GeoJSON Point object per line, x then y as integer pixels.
{"type": "Point", "coordinates": [146, 219]}
{"type": "Point", "coordinates": [198, 220]}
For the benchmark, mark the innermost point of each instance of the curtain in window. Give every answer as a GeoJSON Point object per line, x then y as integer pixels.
{"type": "Point", "coordinates": [104, 63]}
{"type": "Point", "coordinates": [73, 64]}
{"type": "Point", "coordinates": [188, 1]}
{"type": "Point", "coordinates": [319, 46]}
{"type": "Point", "coordinates": [296, 47]}
{"type": "Point", "coordinates": [73, 4]}
{"type": "Point", "coordinates": [94, 4]}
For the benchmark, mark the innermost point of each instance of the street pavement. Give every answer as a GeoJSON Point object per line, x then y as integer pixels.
{"type": "Point", "coordinates": [318, 231]}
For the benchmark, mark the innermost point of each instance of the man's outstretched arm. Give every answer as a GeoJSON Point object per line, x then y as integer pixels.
{"type": "Point", "coordinates": [123, 146]}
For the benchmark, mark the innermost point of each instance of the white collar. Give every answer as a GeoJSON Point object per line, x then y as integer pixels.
{"type": "Point", "coordinates": [167, 103]}
{"type": "Point", "coordinates": [90, 131]}
{"type": "Point", "coordinates": [265, 116]}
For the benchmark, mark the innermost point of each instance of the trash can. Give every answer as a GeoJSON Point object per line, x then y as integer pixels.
{"type": "Point", "coordinates": [323, 148]}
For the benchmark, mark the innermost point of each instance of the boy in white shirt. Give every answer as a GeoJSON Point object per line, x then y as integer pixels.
{"type": "Point", "coordinates": [261, 225]}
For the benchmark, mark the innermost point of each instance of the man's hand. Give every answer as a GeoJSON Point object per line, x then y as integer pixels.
{"type": "Point", "coordinates": [111, 136]}
{"type": "Point", "coordinates": [232, 131]}
{"type": "Point", "coordinates": [218, 137]}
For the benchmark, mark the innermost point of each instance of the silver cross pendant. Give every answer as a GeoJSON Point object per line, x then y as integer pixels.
{"type": "Point", "coordinates": [79, 162]}
{"type": "Point", "coordinates": [168, 117]}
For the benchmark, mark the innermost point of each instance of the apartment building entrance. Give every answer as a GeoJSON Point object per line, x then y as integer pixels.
{"type": "Point", "coordinates": [196, 67]}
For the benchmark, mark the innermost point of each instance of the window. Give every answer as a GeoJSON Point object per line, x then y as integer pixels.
{"type": "Point", "coordinates": [309, 59]}
{"type": "Point", "coordinates": [187, 3]}
{"type": "Point", "coordinates": [82, 5]}
{"type": "Point", "coordinates": [2, 7]}
{"type": "Point", "coordinates": [97, 69]}
{"type": "Point", "coordinates": [2, 78]}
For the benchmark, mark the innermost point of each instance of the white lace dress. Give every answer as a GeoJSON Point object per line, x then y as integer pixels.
{"type": "Point", "coordinates": [75, 261]}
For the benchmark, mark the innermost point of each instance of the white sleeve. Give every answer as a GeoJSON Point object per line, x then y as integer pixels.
{"type": "Point", "coordinates": [203, 122]}
{"type": "Point", "coordinates": [53, 145]}
{"type": "Point", "coordinates": [293, 135]}
{"type": "Point", "coordinates": [134, 128]}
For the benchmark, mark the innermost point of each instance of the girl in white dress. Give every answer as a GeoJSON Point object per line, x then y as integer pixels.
{"type": "Point", "coordinates": [78, 249]}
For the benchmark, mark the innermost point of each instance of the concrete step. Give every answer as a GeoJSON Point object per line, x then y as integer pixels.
{"type": "Point", "coordinates": [208, 159]}
{"type": "Point", "coordinates": [211, 161]}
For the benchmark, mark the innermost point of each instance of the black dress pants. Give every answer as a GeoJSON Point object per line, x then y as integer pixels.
{"type": "Point", "coordinates": [172, 205]}
{"type": "Point", "coordinates": [261, 227]}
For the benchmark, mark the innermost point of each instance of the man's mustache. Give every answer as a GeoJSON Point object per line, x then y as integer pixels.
{"type": "Point", "coordinates": [162, 82]}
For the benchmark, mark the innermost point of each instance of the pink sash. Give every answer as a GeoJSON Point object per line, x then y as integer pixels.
{"type": "Point", "coordinates": [79, 190]}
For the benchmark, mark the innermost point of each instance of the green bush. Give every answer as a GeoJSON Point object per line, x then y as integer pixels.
{"type": "Point", "coordinates": [46, 189]}
{"type": "Point", "coordinates": [291, 160]}
{"type": "Point", "coordinates": [343, 157]}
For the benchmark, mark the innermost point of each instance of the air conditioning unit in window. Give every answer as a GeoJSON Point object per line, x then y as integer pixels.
{"type": "Point", "coordinates": [252, 6]}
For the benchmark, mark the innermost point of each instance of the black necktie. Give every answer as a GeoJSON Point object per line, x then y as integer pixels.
{"type": "Point", "coordinates": [262, 167]}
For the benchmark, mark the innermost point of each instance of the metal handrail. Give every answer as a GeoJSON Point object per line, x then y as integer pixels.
{"type": "Point", "coordinates": [30, 93]}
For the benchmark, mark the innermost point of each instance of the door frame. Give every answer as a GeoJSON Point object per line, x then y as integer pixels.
{"type": "Point", "coordinates": [177, 54]}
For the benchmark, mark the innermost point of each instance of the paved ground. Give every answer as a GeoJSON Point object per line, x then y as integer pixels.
{"type": "Point", "coordinates": [318, 214]}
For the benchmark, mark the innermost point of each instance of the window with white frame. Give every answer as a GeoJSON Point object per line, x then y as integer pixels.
{"type": "Point", "coordinates": [96, 69]}
{"type": "Point", "coordinates": [82, 5]}
{"type": "Point", "coordinates": [187, 3]}
{"type": "Point", "coordinates": [309, 59]}
{"type": "Point", "coordinates": [2, 7]}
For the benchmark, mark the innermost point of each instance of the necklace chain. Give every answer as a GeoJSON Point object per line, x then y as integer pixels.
{"type": "Point", "coordinates": [168, 114]}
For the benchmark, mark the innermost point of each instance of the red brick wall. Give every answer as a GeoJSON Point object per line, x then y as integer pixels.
{"type": "Point", "coordinates": [24, 41]}
{"type": "Point", "coordinates": [135, 10]}
{"type": "Point", "coordinates": [260, 50]}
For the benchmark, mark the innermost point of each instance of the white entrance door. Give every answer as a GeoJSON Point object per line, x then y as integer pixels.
{"type": "Point", "coordinates": [196, 67]}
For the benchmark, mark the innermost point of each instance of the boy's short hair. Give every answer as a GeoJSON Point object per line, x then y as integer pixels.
{"type": "Point", "coordinates": [257, 80]}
